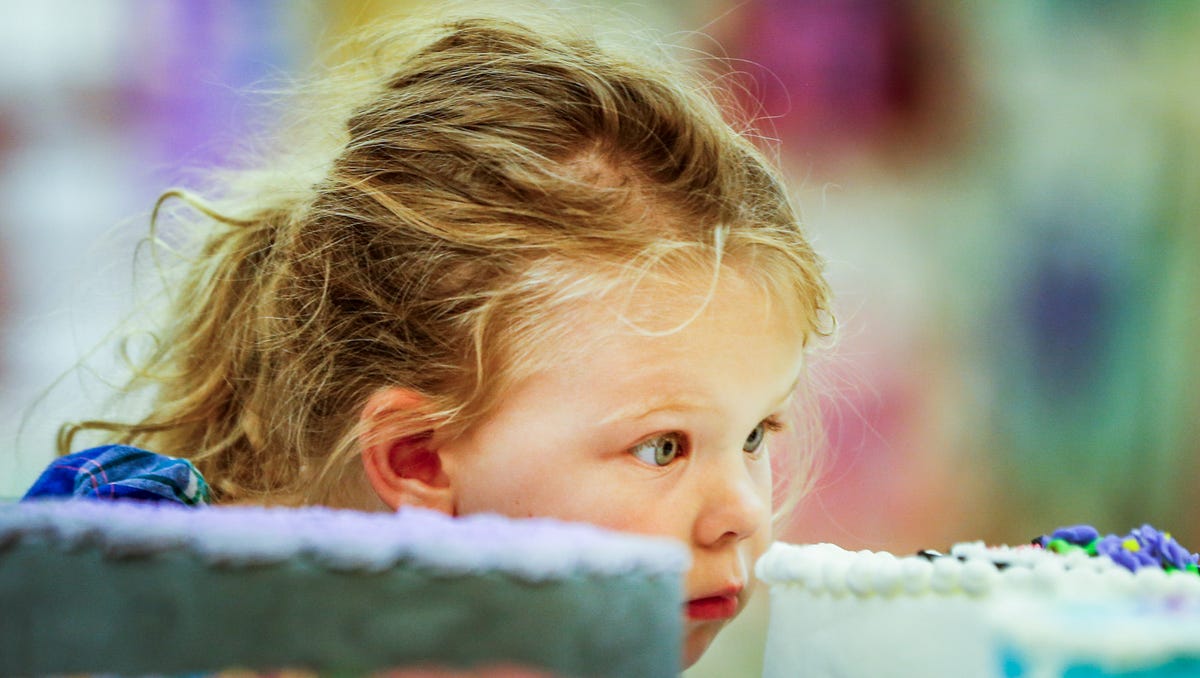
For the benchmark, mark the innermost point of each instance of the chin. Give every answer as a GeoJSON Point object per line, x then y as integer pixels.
{"type": "Point", "coordinates": [696, 640]}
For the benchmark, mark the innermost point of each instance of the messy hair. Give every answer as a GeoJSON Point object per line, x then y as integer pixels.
{"type": "Point", "coordinates": [483, 182]}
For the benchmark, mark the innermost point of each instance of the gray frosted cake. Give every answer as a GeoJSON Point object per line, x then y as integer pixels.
{"type": "Point", "coordinates": [128, 588]}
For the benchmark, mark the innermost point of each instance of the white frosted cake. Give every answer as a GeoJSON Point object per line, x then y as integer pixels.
{"type": "Point", "coordinates": [1074, 604]}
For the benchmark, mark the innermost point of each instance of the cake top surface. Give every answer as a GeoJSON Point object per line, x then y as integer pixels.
{"type": "Point", "coordinates": [1074, 560]}
{"type": "Point", "coordinates": [530, 549]}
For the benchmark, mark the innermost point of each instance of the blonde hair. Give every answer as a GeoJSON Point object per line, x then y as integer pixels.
{"type": "Point", "coordinates": [488, 177]}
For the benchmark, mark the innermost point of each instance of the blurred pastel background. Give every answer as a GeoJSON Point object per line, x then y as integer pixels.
{"type": "Point", "coordinates": [1008, 195]}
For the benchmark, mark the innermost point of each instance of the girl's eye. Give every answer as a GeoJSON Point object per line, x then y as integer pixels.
{"type": "Point", "coordinates": [755, 439]}
{"type": "Point", "coordinates": [660, 450]}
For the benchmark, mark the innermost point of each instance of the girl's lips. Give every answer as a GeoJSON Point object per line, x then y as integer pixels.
{"type": "Point", "coordinates": [712, 608]}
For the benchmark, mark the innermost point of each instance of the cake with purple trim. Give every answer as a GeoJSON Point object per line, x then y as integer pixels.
{"type": "Point", "coordinates": [135, 589]}
{"type": "Point", "coordinates": [1073, 603]}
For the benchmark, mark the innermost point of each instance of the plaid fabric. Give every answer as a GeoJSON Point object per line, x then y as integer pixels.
{"type": "Point", "coordinates": [121, 472]}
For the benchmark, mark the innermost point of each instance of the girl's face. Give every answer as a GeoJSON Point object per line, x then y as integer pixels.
{"type": "Point", "coordinates": [660, 435]}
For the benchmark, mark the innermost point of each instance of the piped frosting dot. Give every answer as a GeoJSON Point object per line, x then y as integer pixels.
{"type": "Point", "coordinates": [945, 576]}
{"type": "Point", "coordinates": [886, 574]}
{"type": "Point", "coordinates": [859, 576]}
{"type": "Point", "coordinates": [833, 574]}
{"type": "Point", "coordinates": [916, 574]}
{"type": "Point", "coordinates": [978, 577]}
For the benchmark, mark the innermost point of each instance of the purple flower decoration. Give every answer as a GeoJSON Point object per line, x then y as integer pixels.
{"type": "Point", "coordinates": [1149, 539]}
{"type": "Point", "coordinates": [1080, 535]}
{"type": "Point", "coordinates": [1178, 557]}
{"type": "Point", "coordinates": [1077, 535]}
{"type": "Point", "coordinates": [1163, 547]}
{"type": "Point", "coordinates": [1142, 547]}
{"type": "Point", "coordinates": [1125, 559]}
{"type": "Point", "coordinates": [1109, 545]}
{"type": "Point", "coordinates": [1145, 547]}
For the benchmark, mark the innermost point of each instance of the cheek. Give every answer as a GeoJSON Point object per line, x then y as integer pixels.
{"type": "Point", "coordinates": [758, 543]}
{"type": "Point", "coordinates": [567, 483]}
{"type": "Point", "coordinates": [602, 501]}
{"type": "Point", "coordinates": [611, 505]}
{"type": "Point", "coordinates": [762, 482]}
{"type": "Point", "coordinates": [514, 485]}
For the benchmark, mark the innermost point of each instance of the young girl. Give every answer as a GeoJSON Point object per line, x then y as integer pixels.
{"type": "Point", "coordinates": [536, 279]}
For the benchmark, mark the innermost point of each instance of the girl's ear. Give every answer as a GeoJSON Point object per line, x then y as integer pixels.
{"type": "Point", "coordinates": [403, 467]}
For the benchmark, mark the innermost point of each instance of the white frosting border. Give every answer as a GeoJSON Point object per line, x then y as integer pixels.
{"type": "Point", "coordinates": [970, 569]}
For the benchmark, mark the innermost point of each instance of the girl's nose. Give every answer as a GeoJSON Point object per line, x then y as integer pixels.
{"type": "Point", "coordinates": [736, 503]}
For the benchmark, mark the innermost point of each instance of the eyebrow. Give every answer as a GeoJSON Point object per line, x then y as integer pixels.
{"type": "Point", "coordinates": [646, 408]}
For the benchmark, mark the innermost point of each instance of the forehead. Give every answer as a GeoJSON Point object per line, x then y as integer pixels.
{"type": "Point", "coordinates": [664, 327]}
{"type": "Point", "coordinates": [688, 302]}
{"type": "Point", "coordinates": [727, 353]}
{"type": "Point", "coordinates": [660, 322]}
